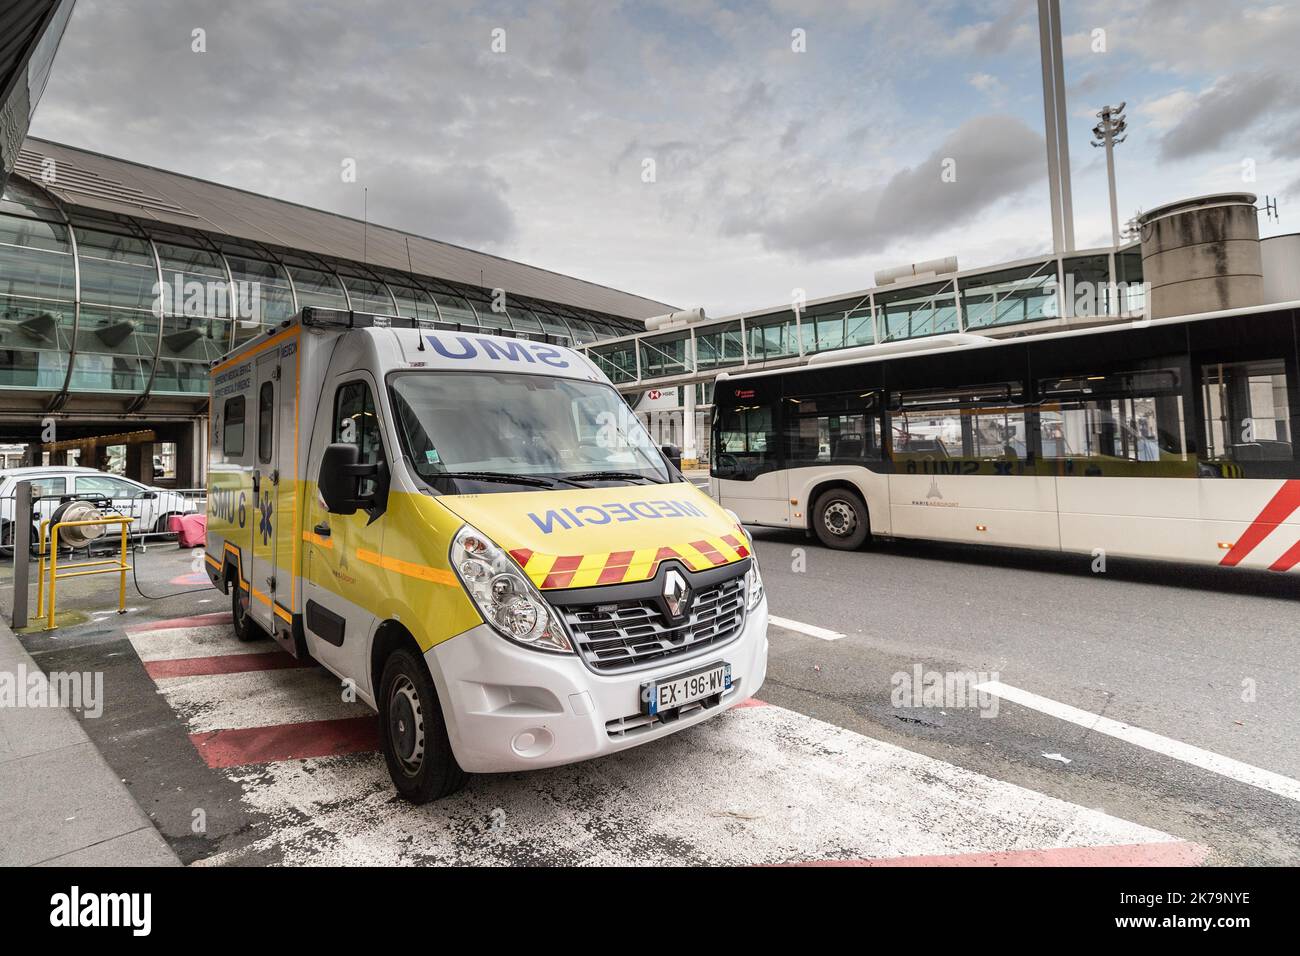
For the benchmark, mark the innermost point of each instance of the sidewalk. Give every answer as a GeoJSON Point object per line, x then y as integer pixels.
{"type": "Point", "coordinates": [60, 803]}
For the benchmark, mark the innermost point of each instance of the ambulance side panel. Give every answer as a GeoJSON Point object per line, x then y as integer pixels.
{"type": "Point", "coordinates": [358, 573]}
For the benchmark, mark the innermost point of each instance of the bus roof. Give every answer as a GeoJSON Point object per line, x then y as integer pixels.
{"type": "Point", "coordinates": [960, 341]}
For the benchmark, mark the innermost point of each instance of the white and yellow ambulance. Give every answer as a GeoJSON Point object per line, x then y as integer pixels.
{"type": "Point", "coordinates": [475, 533]}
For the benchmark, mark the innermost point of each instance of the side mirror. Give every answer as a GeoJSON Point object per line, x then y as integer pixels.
{"type": "Point", "coordinates": [148, 495]}
{"type": "Point", "coordinates": [340, 477]}
{"type": "Point", "coordinates": [673, 454]}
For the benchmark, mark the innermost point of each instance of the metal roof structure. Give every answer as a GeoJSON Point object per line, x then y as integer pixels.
{"type": "Point", "coordinates": [30, 31]}
{"type": "Point", "coordinates": [95, 181]}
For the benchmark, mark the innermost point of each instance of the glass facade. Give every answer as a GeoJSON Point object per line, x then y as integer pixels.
{"type": "Point", "coordinates": [772, 336]}
{"type": "Point", "coordinates": [103, 304]}
{"type": "Point", "coordinates": [972, 302]}
{"type": "Point", "coordinates": [717, 346]}
{"type": "Point", "coordinates": [1009, 296]}
{"type": "Point", "coordinates": [917, 311]}
{"type": "Point", "coordinates": [618, 361]}
{"type": "Point", "coordinates": [666, 355]}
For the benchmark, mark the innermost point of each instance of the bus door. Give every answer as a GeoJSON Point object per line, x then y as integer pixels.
{"type": "Point", "coordinates": [967, 468]}
{"type": "Point", "coordinates": [265, 581]}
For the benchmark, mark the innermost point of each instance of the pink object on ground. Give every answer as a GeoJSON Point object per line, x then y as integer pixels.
{"type": "Point", "coordinates": [191, 530]}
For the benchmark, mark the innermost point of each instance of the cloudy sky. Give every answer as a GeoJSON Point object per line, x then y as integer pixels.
{"type": "Point", "coordinates": [773, 169]}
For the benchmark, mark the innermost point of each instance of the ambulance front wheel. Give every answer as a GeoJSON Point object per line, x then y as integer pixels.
{"type": "Point", "coordinates": [416, 747]}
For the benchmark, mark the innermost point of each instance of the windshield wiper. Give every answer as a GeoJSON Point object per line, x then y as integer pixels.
{"type": "Point", "coordinates": [536, 481]}
{"type": "Point", "coordinates": [610, 475]}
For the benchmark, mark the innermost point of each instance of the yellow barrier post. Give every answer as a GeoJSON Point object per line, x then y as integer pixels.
{"type": "Point", "coordinates": [121, 588]}
{"type": "Point", "coordinates": [40, 566]}
{"type": "Point", "coordinates": [54, 572]}
{"type": "Point", "coordinates": [120, 565]}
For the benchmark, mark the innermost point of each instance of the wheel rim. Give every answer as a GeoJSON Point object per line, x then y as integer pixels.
{"type": "Point", "coordinates": [241, 609]}
{"type": "Point", "coordinates": [406, 724]}
{"type": "Point", "coordinates": [840, 519]}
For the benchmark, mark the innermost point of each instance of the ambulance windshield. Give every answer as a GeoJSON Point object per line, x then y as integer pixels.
{"type": "Point", "coordinates": [529, 426]}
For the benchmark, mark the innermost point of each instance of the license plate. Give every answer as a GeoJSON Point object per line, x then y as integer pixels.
{"type": "Point", "coordinates": [673, 692]}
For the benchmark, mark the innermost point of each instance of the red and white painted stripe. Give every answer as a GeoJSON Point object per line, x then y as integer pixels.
{"type": "Point", "coordinates": [249, 703]}
{"type": "Point", "coordinates": [768, 786]}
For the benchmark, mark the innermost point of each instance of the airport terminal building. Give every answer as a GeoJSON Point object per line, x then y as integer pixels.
{"type": "Point", "coordinates": [88, 243]}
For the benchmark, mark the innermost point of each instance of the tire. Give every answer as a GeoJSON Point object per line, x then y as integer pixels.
{"type": "Point", "coordinates": [246, 628]}
{"type": "Point", "coordinates": [416, 747]}
{"type": "Point", "coordinates": [840, 519]}
{"type": "Point", "coordinates": [7, 540]}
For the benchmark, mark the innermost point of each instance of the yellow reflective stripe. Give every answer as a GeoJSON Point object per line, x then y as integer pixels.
{"type": "Point", "coordinates": [317, 539]}
{"type": "Point", "coordinates": [589, 569]}
{"type": "Point", "coordinates": [265, 599]}
{"type": "Point", "coordinates": [727, 551]}
{"type": "Point", "coordinates": [697, 561]}
{"type": "Point", "coordinates": [212, 561]}
{"type": "Point", "coordinates": [642, 563]}
{"type": "Point", "coordinates": [243, 356]}
{"type": "Point", "coordinates": [539, 566]}
{"type": "Point", "coordinates": [282, 613]}
{"type": "Point", "coordinates": [408, 568]}
{"type": "Point", "coordinates": [239, 564]}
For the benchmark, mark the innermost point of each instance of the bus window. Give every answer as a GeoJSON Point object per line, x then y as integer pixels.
{"type": "Point", "coordinates": [976, 433]}
{"type": "Point", "coordinates": [1125, 417]}
{"type": "Point", "coordinates": [977, 423]}
{"type": "Point", "coordinates": [823, 429]}
{"type": "Point", "coordinates": [1246, 411]}
{"type": "Point", "coordinates": [745, 442]}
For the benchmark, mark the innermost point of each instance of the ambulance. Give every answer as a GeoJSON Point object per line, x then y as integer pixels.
{"type": "Point", "coordinates": [477, 536]}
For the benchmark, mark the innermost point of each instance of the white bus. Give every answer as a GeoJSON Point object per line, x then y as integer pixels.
{"type": "Point", "coordinates": [1168, 439]}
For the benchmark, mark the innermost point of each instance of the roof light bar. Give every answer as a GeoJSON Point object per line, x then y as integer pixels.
{"type": "Point", "coordinates": [343, 319]}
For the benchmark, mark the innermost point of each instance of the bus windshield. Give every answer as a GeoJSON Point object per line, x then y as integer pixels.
{"type": "Point", "coordinates": [477, 423]}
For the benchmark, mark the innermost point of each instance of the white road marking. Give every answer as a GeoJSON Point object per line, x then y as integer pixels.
{"type": "Point", "coordinates": [258, 698]}
{"type": "Point", "coordinates": [767, 785]}
{"type": "Point", "coordinates": [811, 630]}
{"type": "Point", "coordinates": [1205, 759]}
{"type": "Point", "coordinates": [208, 640]}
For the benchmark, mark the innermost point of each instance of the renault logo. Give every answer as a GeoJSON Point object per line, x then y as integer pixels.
{"type": "Point", "coordinates": [677, 594]}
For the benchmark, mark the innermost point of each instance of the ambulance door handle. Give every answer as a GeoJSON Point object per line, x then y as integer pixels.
{"type": "Point", "coordinates": [322, 529]}
{"type": "Point", "coordinates": [257, 483]}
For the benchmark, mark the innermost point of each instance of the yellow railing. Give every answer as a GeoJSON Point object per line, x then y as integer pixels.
{"type": "Point", "coordinates": [119, 565]}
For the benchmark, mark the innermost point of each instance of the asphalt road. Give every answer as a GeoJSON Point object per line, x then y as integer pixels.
{"type": "Point", "coordinates": [1207, 657]}
{"type": "Point", "coordinates": [830, 769]}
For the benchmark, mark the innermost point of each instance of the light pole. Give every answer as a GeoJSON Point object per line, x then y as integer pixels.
{"type": "Point", "coordinates": [1110, 132]}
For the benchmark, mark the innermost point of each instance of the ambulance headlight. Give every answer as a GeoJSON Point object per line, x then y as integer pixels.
{"type": "Point", "coordinates": [753, 586]}
{"type": "Point", "coordinates": [753, 579]}
{"type": "Point", "coordinates": [504, 595]}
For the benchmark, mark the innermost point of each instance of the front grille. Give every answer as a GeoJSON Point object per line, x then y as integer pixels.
{"type": "Point", "coordinates": [630, 634]}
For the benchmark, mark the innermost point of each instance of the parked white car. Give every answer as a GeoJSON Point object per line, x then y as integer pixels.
{"type": "Point", "coordinates": [149, 508]}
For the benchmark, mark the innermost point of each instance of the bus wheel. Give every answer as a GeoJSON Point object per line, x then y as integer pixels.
{"type": "Point", "coordinates": [416, 747]}
{"type": "Point", "coordinates": [840, 519]}
{"type": "Point", "coordinates": [245, 628]}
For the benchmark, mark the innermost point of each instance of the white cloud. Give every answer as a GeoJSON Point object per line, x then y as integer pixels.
{"type": "Point", "coordinates": [1165, 112]}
